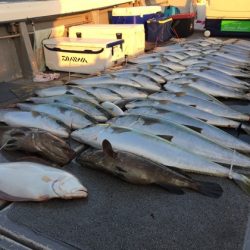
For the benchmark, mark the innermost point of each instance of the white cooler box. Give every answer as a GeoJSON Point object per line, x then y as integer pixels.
{"type": "Point", "coordinates": [86, 56]}
{"type": "Point", "coordinates": [133, 35]}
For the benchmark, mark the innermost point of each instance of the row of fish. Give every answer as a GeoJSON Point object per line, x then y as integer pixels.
{"type": "Point", "coordinates": [144, 123]}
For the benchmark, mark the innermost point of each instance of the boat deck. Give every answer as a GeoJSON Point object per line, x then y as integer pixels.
{"type": "Point", "coordinates": [118, 215]}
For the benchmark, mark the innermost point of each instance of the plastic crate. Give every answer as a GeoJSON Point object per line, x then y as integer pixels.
{"type": "Point", "coordinates": [183, 24]}
{"type": "Point", "coordinates": [158, 30]}
{"type": "Point", "coordinates": [134, 15]}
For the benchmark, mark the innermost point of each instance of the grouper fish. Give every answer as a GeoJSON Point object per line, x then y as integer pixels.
{"type": "Point", "coordinates": [183, 137]}
{"type": "Point", "coordinates": [138, 170]}
{"type": "Point", "coordinates": [155, 149]}
{"type": "Point", "coordinates": [213, 133]}
{"type": "Point", "coordinates": [36, 141]}
{"type": "Point", "coordinates": [29, 181]}
{"type": "Point", "coordinates": [17, 118]}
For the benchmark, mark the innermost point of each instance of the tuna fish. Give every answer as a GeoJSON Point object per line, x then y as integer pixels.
{"type": "Point", "coordinates": [156, 149]}
{"type": "Point", "coordinates": [182, 137]}
{"type": "Point", "coordinates": [213, 133]}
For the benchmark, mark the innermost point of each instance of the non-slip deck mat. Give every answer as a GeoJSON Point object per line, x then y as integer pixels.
{"type": "Point", "coordinates": [118, 215]}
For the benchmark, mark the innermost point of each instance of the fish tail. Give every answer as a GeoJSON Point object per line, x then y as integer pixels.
{"type": "Point", "coordinates": [246, 128]}
{"type": "Point", "coordinates": [243, 181]}
{"type": "Point", "coordinates": [209, 189]}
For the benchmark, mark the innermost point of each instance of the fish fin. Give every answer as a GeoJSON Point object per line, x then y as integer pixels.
{"type": "Point", "coordinates": [171, 189]}
{"type": "Point", "coordinates": [246, 128]}
{"type": "Point", "coordinates": [7, 197]}
{"type": "Point", "coordinates": [68, 93]}
{"type": "Point", "coordinates": [193, 105]}
{"type": "Point", "coordinates": [3, 124]}
{"type": "Point", "coordinates": [71, 84]}
{"type": "Point", "coordinates": [166, 137]}
{"type": "Point", "coordinates": [243, 181]}
{"type": "Point", "coordinates": [11, 144]}
{"type": "Point", "coordinates": [179, 171]}
{"type": "Point", "coordinates": [164, 101]}
{"type": "Point", "coordinates": [178, 94]}
{"type": "Point", "coordinates": [196, 129]}
{"type": "Point", "coordinates": [204, 120]}
{"type": "Point", "coordinates": [209, 189]}
{"type": "Point", "coordinates": [107, 149]}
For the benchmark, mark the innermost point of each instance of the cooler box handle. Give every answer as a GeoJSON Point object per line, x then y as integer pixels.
{"type": "Point", "coordinates": [111, 45]}
{"type": "Point", "coordinates": [86, 51]}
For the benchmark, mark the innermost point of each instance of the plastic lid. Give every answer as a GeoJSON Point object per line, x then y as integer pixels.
{"type": "Point", "coordinates": [183, 16]}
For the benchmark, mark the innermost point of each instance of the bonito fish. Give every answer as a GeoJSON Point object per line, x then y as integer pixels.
{"type": "Point", "coordinates": [182, 137]}
{"type": "Point", "coordinates": [70, 116]}
{"type": "Point", "coordinates": [28, 181]}
{"type": "Point", "coordinates": [93, 110]}
{"type": "Point", "coordinates": [186, 110]}
{"type": "Point", "coordinates": [219, 77]}
{"type": "Point", "coordinates": [209, 87]}
{"type": "Point", "coordinates": [172, 87]}
{"type": "Point", "coordinates": [16, 118]}
{"type": "Point", "coordinates": [210, 107]}
{"type": "Point", "coordinates": [149, 74]}
{"type": "Point", "coordinates": [103, 94]}
{"type": "Point", "coordinates": [62, 90]}
{"type": "Point", "coordinates": [36, 141]}
{"type": "Point", "coordinates": [213, 133]}
{"type": "Point", "coordinates": [156, 149]}
{"type": "Point", "coordinates": [138, 170]}
{"type": "Point", "coordinates": [98, 81]}
{"type": "Point", "coordinates": [221, 68]}
{"type": "Point", "coordinates": [126, 91]}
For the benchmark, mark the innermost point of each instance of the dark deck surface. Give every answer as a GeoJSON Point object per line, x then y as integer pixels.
{"type": "Point", "coordinates": [118, 215]}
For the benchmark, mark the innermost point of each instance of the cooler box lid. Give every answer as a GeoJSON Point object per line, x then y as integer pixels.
{"type": "Point", "coordinates": [136, 11]}
{"type": "Point", "coordinates": [83, 42]}
{"type": "Point", "coordinates": [109, 26]}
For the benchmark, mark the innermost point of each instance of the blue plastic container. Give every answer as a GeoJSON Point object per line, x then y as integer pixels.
{"type": "Point", "coordinates": [132, 19]}
{"type": "Point", "coordinates": [158, 30]}
{"type": "Point", "coordinates": [135, 15]}
{"type": "Point", "coordinates": [170, 11]}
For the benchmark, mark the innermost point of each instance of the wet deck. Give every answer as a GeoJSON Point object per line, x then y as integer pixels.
{"type": "Point", "coordinates": [118, 215]}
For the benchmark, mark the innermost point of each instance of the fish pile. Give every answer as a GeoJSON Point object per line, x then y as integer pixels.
{"type": "Point", "coordinates": [160, 117]}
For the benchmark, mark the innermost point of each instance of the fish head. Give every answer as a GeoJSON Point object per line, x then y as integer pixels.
{"type": "Point", "coordinates": [69, 187]}
{"type": "Point", "coordinates": [14, 138]}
